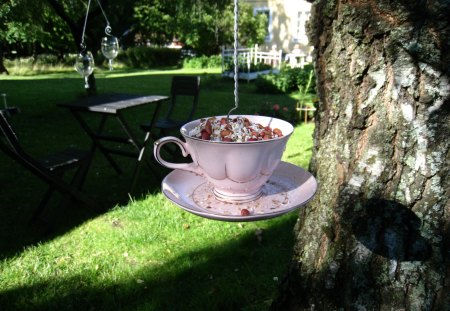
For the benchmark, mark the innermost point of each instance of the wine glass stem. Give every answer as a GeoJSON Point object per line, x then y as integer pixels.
{"type": "Point", "coordinates": [110, 65]}
{"type": "Point", "coordinates": [86, 83]}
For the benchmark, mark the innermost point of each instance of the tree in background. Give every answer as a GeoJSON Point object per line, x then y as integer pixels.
{"type": "Point", "coordinates": [376, 236]}
{"type": "Point", "coordinates": [55, 26]}
{"type": "Point", "coordinates": [73, 13]}
{"type": "Point", "coordinates": [203, 26]}
{"type": "Point", "coordinates": [252, 27]}
{"type": "Point", "coordinates": [15, 26]}
{"type": "Point", "coordinates": [4, 17]}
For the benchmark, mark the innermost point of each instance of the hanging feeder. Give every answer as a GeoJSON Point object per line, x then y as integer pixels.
{"type": "Point", "coordinates": [110, 43]}
{"type": "Point", "coordinates": [84, 63]}
{"type": "Point", "coordinates": [236, 181]}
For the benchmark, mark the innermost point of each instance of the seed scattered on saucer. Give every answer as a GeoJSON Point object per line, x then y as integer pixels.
{"type": "Point", "coordinates": [245, 212]}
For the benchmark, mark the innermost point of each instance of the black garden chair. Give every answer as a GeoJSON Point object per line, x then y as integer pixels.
{"type": "Point", "coordinates": [50, 169]}
{"type": "Point", "coordinates": [184, 91]}
{"type": "Point", "coordinates": [184, 97]}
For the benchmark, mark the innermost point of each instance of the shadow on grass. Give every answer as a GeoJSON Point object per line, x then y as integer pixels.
{"type": "Point", "coordinates": [203, 279]}
{"type": "Point", "coordinates": [106, 188]}
{"type": "Point", "coordinates": [43, 127]}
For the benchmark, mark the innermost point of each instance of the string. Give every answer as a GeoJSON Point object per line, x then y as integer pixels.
{"type": "Point", "coordinates": [235, 58]}
{"type": "Point", "coordinates": [108, 27]}
{"type": "Point", "coordinates": [82, 44]}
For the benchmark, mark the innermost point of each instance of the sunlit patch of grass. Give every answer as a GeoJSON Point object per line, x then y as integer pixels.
{"type": "Point", "coordinates": [299, 148]}
{"type": "Point", "coordinates": [151, 253]}
{"type": "Point", "coordinates": [144, 254]}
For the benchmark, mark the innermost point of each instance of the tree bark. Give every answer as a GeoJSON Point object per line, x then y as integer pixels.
{"type": "Point", "coordinates": [3, 69]}
{"type": "Point", "coordinates": [376, 236]}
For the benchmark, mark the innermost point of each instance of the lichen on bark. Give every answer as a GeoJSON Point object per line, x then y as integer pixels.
{"type": "Point", "coordinates": [375, 237]}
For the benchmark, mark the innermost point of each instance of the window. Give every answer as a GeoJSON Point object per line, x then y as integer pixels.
{"type": "Point", "coordinates": [300, 29]}
{"type": "Point", "coordinates": [267, 12]}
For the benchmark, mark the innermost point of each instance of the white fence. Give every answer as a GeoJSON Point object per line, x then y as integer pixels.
{"type": "Point", "coordinates": [248, 57]}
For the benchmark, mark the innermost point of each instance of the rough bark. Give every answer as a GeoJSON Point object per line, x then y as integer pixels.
{"type": "Point", "coordinates": [376, 236]}
{"type": "Point", "coordinates": [3, 69]}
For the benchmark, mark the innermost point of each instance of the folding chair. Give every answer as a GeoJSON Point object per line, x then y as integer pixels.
{"type": "Point", "coordinates": [6, 109]}
{"type": "Point", "coordinates": [51, 169]}
{"type": "Point", "coordinates": [183, 88]}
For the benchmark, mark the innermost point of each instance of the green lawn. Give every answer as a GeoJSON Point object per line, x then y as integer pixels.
{"type": "Point", "coordinates": [139, 252]}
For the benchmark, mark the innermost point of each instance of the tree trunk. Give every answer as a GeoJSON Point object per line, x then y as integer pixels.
{"type": "Point", "coordinates": [3, 69]}
{"type": "Point", "coordinates": [376, 236]}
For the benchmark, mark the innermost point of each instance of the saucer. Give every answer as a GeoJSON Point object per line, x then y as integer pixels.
{"type": "Point", "coordinates": [289, 188]}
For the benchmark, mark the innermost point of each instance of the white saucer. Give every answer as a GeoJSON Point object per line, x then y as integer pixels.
{"type": "Point", "coordinates": [289, 188]}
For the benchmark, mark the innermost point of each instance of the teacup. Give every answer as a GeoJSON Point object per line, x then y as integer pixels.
{"type": "Point", "coordinates": [236, 170]}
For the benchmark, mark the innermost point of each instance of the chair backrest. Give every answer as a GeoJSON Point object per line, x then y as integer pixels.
{"type": "Point", "coordinates": [12, 147]}
{"type": "Point", "coordinates": [186, 86]}
{"type": "Point", "coordinates": [8, 133]}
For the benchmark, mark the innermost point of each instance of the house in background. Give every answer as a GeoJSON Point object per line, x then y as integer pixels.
{"type": "Point", "coordinates": [286, 27]}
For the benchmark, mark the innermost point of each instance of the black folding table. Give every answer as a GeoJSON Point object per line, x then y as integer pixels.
{"type": "Point", "coordinates": [113, 106]}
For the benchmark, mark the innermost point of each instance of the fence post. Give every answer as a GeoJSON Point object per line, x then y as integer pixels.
{"type": "Point", "coordinates": [280, 57]}
{"type": "Point", "coordinates": [223, 58]}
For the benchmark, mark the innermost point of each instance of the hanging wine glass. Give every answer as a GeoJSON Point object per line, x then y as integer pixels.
{"type": "Point", "coordinates": [110, 49]}
{"type": "Point", "coordinates": [84, 65]}
{"type": "Point", "coordinates": [110, 44]}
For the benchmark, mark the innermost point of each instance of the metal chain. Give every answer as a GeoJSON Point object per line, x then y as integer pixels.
{"type": "Point", "coordinates": [108, 29]}
{"type": "Point", "coordinates": [82, 44]}
{"type": "Point", "coordinates": [235, 58]}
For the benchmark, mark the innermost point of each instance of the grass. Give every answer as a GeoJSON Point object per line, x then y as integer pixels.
{"type": "Point", "coordinates": [139, 253]}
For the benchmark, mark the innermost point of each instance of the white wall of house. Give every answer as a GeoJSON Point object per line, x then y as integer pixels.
{"type": "Point", "coordinates": [287, 20]}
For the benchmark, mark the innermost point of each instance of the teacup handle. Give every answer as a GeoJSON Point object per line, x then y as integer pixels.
{"type": "Point", "coordinates": [192, 167]}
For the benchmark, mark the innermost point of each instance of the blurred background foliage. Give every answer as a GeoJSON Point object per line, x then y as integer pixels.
{"type": "Point", "coordinates": [31, 28]}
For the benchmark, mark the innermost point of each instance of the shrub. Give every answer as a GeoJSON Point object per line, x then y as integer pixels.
{"type": "Point", "coordinates": [148, 57]}
{"type": "Point", "coordinates": [47, 59]}
{"type": "Point", "coordinates": [270, 83]}
{"type": "Point", "coordinates": [42, 63]}
{"type": "Point", "coordinates": [69, 59]}
{"type": "Point", "coordinates": [200, 62]}
{"type": "Point", "coordinates": [287, 80]}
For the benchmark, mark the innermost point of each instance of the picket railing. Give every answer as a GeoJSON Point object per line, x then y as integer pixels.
{"type": "Point", "coordinates": [248, 57]}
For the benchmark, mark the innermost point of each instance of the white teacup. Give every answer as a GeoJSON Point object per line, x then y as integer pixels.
{"type": "Point", "coordinates": [237, 170]}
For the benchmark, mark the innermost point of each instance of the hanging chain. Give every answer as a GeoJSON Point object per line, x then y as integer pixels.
{"type": "Point", "coordinates": [235, 58]}
{"type": "Point", "coordinates": [82, 44]}
{"type": "Point", "coordinates": [108, 27]}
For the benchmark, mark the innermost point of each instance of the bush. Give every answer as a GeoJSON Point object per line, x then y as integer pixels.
{"type": "Point", "coordinates": [47, 59]}
{"type": "Point", "coordinates": [150, 57]}
{"type": "Point", "coordinates": [287, 80]}
{"type": "Point", "coordinates": [269, 83]}
{"type": "Point", "coordinates": [200, 62]}
{"type": "Point", "coordinates": [69, 60]}
{"type": "Point", "coordinates": [43, 63]}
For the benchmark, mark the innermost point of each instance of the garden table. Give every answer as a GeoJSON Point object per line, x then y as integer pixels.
{"type": "Point", "coordinates": [113, 106]}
